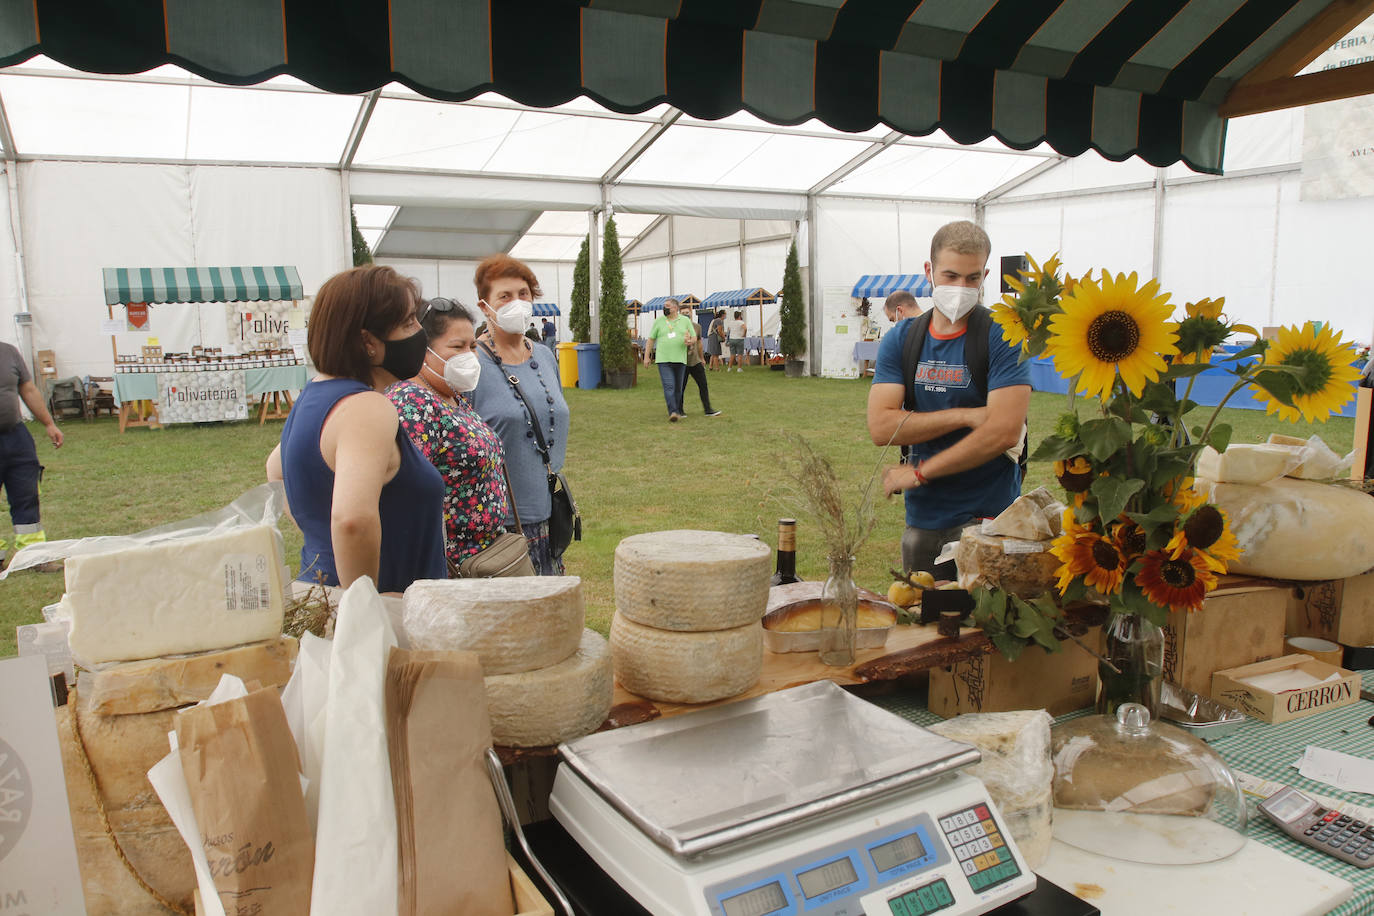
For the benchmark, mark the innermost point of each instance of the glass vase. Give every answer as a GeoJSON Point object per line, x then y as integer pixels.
{"type": "Point", "coordinates": [1133, 669]}
{"type": "Point", "coordinates": [839, 613]}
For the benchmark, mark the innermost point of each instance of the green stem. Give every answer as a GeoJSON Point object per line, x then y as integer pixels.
{"type": "Point", "coordinates": [1178, 421]}
{"type": "Point", "coordinates": [1207, 430]}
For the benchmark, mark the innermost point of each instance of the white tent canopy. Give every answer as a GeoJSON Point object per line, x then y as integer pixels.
{"type": "Point", "coordinates": [168, 169]}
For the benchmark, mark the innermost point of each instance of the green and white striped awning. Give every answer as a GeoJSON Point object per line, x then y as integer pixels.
{"type": "Point", "coordinates": [201, 284]}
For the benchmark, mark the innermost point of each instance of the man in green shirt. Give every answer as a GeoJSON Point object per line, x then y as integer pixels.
{"type": "Point", "coordinates": [670, 337]}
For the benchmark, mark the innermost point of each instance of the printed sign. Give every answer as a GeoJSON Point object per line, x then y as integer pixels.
{"type": "Point", "coordinates": [136, 316]}
{"type": "Point", "coordinates": [260, 325]}
{"type": "Point", "coordinates": [112, 326]}
{"type": "Point", "coordinates": [1338, 137]}
{"type": "Point", "coordinates": [201, 397]}
{"type": "Point", "coordinates": [38, 869]}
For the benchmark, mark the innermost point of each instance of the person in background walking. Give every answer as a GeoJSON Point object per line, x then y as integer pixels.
{"type": "Point", "coordinates": [696, 368]}
{"type": "Point", "coordinates": [738, 331]}
{"type": "Point", "coordinates": [19, 467]}
{"type": "Point", "coordinates": [550, 334]}
{"type": "Point", "coordinates": [715, 340]}
{"type": "Point", "coordinates": [670, 336]}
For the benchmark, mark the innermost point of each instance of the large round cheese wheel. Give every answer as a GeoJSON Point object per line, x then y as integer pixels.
{"type": "Point", "coordinates": [692, 580]}
{"type": "Point", "coordinates": [513, 624]}
{"type": "Point", "coordinates": [686, 667]}
{"type": "Point", "coordinates": [558, 703]}
{"type": "Point", "coordinates": [1297, 529]}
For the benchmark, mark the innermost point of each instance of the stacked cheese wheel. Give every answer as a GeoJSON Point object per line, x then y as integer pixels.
{"type": "Point", "coordinates": [548, 679]}
{"type": "Point", "coordinates": [689, 607]}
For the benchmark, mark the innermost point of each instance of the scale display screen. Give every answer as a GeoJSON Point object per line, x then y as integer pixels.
{"type": "Point", "coordinates": [760, 900]}
{"type": "Point", "coordinates": [827, 878]}
{"type": "Point", "coordinates": [900, 851]}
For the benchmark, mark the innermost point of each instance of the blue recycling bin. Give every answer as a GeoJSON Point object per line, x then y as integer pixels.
{"type": "Point", "coordinates": [588, 365]}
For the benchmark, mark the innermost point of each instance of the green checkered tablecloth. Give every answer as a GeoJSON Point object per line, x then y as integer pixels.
{"type": "Point", "coordinates": [1268, 752]}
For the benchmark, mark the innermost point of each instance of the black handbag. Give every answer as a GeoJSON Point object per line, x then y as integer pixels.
{"type": "Point", "coordinates": [565, 522]}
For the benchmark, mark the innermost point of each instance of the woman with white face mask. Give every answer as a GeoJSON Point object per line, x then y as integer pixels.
{"type": "Point", "coordinates": [506, 289]}
{"type": "Point", "coordinates": [437, 418]}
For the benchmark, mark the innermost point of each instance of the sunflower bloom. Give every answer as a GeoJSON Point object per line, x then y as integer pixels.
{"type": "Point", "coordinates": [1129, 539]}
{"type": "Point", "coordinates": [1207, 529]}
{"type": "Point", "coordinates": [1325, 384]}
{"type": "Point", "coordinates": [1014, 330]}
{"type": "Point", "coordinates": [1074, 475]}
{"type": "Point", "coordinates": [1178, 583]}
{"type": "Point", "coordinates": [1181, 493]}
{"type": "Point", "coordinates": [1112, 327]}
{"type": "Point", "coordinates": [1086, 553]}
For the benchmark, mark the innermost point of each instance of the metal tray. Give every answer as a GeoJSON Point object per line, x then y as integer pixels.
{"type": "Point", "coordinates": [1198, 715]}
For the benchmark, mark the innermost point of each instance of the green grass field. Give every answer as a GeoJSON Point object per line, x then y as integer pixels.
{"type": "Point", "coordinates": [630, 470]}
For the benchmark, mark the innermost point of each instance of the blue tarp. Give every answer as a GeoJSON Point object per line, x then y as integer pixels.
{"type": "Point", "coordinates": [545, 310]}
{"type": "Point", "coordinates": [877, 286]}
{"type": "Point", "coordinates": [656, 304]}
{"type": "Point", "coordinates": [736, 298]}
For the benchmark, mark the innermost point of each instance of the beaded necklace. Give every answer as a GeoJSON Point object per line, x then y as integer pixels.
{"type": "Point", "coordinates": [515, 391]}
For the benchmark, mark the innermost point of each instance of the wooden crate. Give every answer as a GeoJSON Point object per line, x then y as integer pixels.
{"type": "Point", "coordinates": [528, 900]}
{"type": "Point", "coordinates": [1059, 682]}
{"type": "Point", "coordinates": [1341, 610]}
{"type": "Point", "coordinates": [1291, 704]}
{"type": "Point", "coordinates": [1237, 625]}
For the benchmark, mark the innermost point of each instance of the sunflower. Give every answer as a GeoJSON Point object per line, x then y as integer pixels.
{"type": "Point", "coordinates": [1206, 529]}
{"type": "Point", "coordinates": [1324, 386]}
{"type": "Point", "coordinates": [1014, 330]}
{"type": "Point", "coordinates": [1181, 492]}
{"type": "Point", "coordinates": [1074, 475]}
{"type": "Point", "coordinates": [1011, 312]}
{"type": "Point", "coordinates": [1129, 538]}
{"type": "Point", "coordinates": [1178, 583]}
{"type": "Point", "coordinates": [1113, 327]}
{"type": "Point", "coordinates": [1205, 329]}
{"type": "Point", "coordinates": [1084, 552]}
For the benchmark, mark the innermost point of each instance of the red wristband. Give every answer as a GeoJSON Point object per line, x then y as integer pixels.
{"type": "Point", "coordinates": [921, 478]}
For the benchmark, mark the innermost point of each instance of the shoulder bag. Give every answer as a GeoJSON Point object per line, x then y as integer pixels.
{"type": "Point", "coordinates": [508, 555]}
{"type": "Point", "coordinates": [565, 522]}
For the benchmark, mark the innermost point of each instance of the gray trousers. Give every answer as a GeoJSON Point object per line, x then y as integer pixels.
{"type": "Point", "coordinates": [920, 547]}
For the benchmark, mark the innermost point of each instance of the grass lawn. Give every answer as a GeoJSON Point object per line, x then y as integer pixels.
{"type": "Point", "coordinates": [630, 470]}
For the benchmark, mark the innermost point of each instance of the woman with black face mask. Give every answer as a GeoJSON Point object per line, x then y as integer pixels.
{"type": "Point", "coordinates": [368, 503]}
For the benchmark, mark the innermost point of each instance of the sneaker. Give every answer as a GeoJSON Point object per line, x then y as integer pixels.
{"type": "Point", "coordinates": [713, 413]}
{"type": "Point", "coordinates": [739, 370]}
{"type": "Point", "coordinates": [672, 418]}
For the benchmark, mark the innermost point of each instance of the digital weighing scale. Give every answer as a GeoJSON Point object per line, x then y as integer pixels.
{"type": "Point", "coordinates": [804, 801]}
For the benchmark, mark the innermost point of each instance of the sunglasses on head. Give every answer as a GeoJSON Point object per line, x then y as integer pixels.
{"type": "Point", "coordinates": [442, 305]}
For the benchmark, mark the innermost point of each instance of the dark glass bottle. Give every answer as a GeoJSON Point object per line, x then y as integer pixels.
{"type": "Point", "coordinates": [787, 553]}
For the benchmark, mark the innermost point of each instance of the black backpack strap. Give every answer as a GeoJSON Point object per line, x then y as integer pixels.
{"type": "Point", "coordinates": [911, 356]}
{"type": "Point", "coordinates": [976, 358]}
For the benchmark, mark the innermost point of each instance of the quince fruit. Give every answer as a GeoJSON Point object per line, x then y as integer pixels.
{"type": "Point", "coordinates": [902, 594]}
{"type": "Point", "coordinates": [923, 579]}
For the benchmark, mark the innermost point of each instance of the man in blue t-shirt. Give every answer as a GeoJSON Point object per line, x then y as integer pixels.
{"type": "Point", "coordinates": [963, 444]}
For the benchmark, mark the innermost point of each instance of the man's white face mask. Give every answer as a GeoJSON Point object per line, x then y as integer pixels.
{"type": "Point", "coordinates": [954, 302]}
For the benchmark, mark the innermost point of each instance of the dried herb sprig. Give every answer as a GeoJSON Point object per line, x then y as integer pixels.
{"type": "Point", "coordinates": [810, 482]}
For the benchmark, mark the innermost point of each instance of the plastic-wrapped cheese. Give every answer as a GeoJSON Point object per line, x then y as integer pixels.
{"type": "Point", "coordinates": [1025, 568]}
{"type": "Point", "coordinates": [1297, 529]}
{"type": "Point", "coordinates": [553, 704]}
{"type": "Point", "coordinates": [682, 667]}
{"type": "Point", "coordinates": [692, 580]}
{"type": "Point", "coordinates": [518, 623]}
{"type": "Point", "coordinates": [1248, 464]}
{"type": "Point", "coordinates": [185, 595]}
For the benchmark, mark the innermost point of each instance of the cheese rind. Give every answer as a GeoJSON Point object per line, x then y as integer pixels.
{"type": "Point", "coordinates": [186, 595]}
{"type": "Point", "coordinates": [514, 624]}
{"type": "Point", "coordinates": [553, 704]}
{"type": "Point", "coordinates": [166, 683]}
{"type": "Point", "coordinates": [686, 667]}
{"type": "Point", "coordinates": [692, 580]}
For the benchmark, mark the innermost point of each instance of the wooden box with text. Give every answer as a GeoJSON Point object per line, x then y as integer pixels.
{"type": "Point", "coordinates": [1341, 610]}
{"type": "Point", "coordinates": [1228, 688]}
{"type": "Point", "coordinates": [1059, 682]}
{"type": "Point", "coordinates": [1236, 626]}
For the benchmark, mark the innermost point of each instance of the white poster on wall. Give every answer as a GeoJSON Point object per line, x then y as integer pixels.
{"type": "Point", "coordinates": [1338, 137]}
{"type": "Point", "coordinates": [841, 329]}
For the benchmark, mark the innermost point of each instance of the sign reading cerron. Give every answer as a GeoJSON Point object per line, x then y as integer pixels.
{"type": "Point", "coordinates": [1319, 697]}
{"type": "Point", "coordinates": [16, 799]}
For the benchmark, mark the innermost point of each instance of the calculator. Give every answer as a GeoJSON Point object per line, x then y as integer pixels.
{"type": "Point", "coordinates": [1322, 828]}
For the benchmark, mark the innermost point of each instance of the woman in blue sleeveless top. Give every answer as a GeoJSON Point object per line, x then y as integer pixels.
{"type": "Point", "coordinates": [367, 502]}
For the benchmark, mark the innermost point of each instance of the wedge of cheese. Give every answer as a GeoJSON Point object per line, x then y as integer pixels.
{"type": "Point", "coordinates": [553, 704]}
{"type": "Point", "coordinates": [1247, 464]}
{"type": "Point", "coordinates": [514, 624]}
{"type": "Point", "coordinates": [692, 580]}
{"type": "Point", "coordinates": [682, 667]}
{"type": "Point", "coordinates": [166, 683]}
{"type": "Point", "coordinates": [189, 595]}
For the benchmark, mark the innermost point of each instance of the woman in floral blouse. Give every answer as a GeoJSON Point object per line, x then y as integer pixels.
{"type": "Point", "coordinates": [447, 431]}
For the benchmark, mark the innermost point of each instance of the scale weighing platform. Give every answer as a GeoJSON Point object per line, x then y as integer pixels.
{"type": "Point", "coordinates": [804, 801]}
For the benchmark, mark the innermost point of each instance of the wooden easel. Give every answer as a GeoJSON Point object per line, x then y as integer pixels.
{"type": "Point", "coordinates": [281, 406]}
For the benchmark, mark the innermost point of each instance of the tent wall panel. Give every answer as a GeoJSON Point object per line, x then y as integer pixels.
{"type": "Point", "coordinates": [764, 263]}
{"type": "Point", "coordinates": [694, 232]}
{"type": "Point", "coordinates": [761, 228]}
{"type": "Point", "coordinates": [1115, 231]}
{"type": "Point", "coordinates": [1323, 262]}
{"type": "Point", "coordinates": [916, 225]}
{"type": "Point", "coordinates": [9, 278]}
{"type": "Point", "coordinates": [1090, 170]}
{"type": "Point", "coordinates": [722, 270]}
{"type": "Point", "coordinates": [689, 273]}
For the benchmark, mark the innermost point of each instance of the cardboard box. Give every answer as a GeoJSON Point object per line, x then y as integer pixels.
{"type": "Point", "coordinates": [1290, 704]}
{"type": "Point", "coordinates": [1236, 626]}
{"type": "Point", "coordinates": [1059, 682]}
{"type": "Point", "coordinates": [47, 364]}
{"type": "Point", "coordinates": [1341, 610]}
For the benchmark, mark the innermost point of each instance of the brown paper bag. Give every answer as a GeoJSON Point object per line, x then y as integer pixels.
{"type": "Point", "coordinates": [244, 779]}
{"type": "Point", "coordinates": [452, 854]}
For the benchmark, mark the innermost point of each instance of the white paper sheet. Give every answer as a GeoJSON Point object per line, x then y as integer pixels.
{"type": "Point", "coordinates": [304, 699]}
{"type": "Point", "coordinates": [1288, 679]}
{"type": "Point", "coordinates": [1344, 771]}
{"type": "Point", "coordinates": [355, 847]}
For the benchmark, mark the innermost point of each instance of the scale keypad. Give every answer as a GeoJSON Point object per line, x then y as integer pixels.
{"type": "Point", "coordinates": [979, 848]}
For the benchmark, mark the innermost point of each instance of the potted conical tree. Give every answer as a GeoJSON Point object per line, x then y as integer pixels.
{"type": "Point", "coordinates": [792, 317]}
{"type": "Point", "coordinates": [617, 355]}
{"type": "Point", "coordinates": [580, 318]}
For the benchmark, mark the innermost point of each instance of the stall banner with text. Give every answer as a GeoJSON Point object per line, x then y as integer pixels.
{"type": "Point", "coordinates": [201, 397]}
{"type": "Point", "coordinates": [261, 325]}
{"type": "Point", "coordinates": [38, 869]}
{"type": "Point", "coordinates": [1338, 137]}
{"type": "Point", "coordinates": [136, 315]}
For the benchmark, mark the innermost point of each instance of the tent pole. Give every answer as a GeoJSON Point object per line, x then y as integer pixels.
{"type": "Point", "coordinates": [1157, 257]}
{"type": "Point", "coordinates": [594, 274]}
{"type": "Point", "coordinates": [814, 305]}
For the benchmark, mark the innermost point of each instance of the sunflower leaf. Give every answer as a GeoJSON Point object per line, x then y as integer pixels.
{"type": "Point", "coordinates": [1104, 438]}
{"type": "Point", "coordinates": [1057, 448]}
{"type": "Point", "coordinates": [1255, 349]}
{"type": "Point", "coordinates": [1159, 399]}
{"type": "Point", "coordinates": [1221, 437]}
{"type": "Point", "coordinates": [1185, 370]}
{"type": "Point", "coordinates": [1134, 601]}
{"type": "Point", "coordinates": [1280, 382]}
{"type": "Point", "coordinates": [1046, 638]}
{"type": "Point", "coordinates": [1008, 645]}
{"type": "Point", "coordinates": [1112, 495]}
{"type": "Point", "coordinates": [1156, 518]}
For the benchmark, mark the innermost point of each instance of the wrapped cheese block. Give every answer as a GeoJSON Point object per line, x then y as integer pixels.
{"type": "Point", "coordinates": [1318, 461]}
{"type": "Point", "coordinates": [692, 580]}
{"type": "Point", "coordinates": [1025, 568]}
{"type": "Point", "coordinates": [1297, 529]}
{"type": "Point", "coordinates": [514, 624]}
{"type": "Point", "coordinates": [1248, 464]}
{"type": "Point", "coordinates": [185, 595]}
{"type": "Point", "coordinates": [166, 683]}
{"type": "Point", "coordinates": [1036, 516]}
